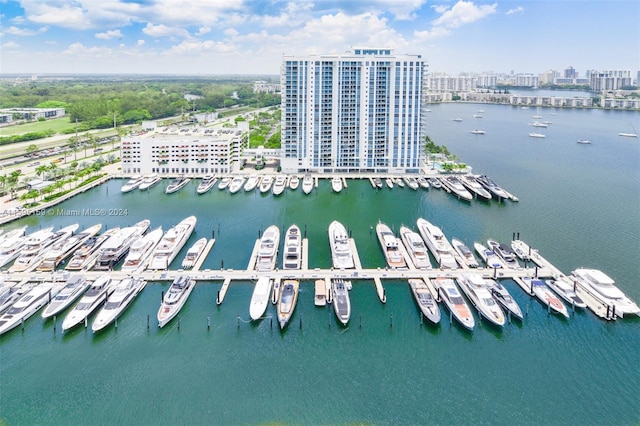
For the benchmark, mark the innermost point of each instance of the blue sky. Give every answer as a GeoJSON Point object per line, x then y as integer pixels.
{"type": "Point", "coordinates": [250, 36]}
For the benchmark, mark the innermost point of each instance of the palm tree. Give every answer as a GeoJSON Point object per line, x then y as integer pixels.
{"type": "Point", "coordinates": [89, 141]}
{"type": "Point", "coordinates": [41, 169]}
{"type": "Point", "coordinates": [53, 169]}
{"type": "Point", "coordinates": [3, 181]}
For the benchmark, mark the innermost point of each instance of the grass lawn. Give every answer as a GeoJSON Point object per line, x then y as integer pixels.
{"type": "Point", "coordinates": [56, 124]}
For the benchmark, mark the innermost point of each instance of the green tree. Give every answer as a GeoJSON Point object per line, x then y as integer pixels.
{"type": "Point", "coordinates": [31, 148]}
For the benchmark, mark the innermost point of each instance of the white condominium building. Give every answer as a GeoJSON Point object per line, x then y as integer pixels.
{"type": "Point", "coordinates": [353, 112]}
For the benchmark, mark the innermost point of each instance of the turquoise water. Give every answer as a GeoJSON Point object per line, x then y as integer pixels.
{"type": "Point", "coordinates": [579, 206]}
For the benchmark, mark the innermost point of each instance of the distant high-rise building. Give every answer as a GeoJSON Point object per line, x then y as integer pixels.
{"type": "Point", "coordinates": [610, 80]}
{"type": "Point", "coordinates": [570, 73]}
{"type": "Point", "coordinates": [352, 112]}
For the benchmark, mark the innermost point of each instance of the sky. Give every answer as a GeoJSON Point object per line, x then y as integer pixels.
{"type": "Point", "coordinates": [207, 37]}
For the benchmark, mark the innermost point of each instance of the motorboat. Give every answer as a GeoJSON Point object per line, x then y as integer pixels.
{"type": "Point", "coordinates": [478, 116]}
{"type": "Point", "coordinates": [133, 183]}
{"type": "Point", "coordinates": [11, 245]}
{"type": "Point", "coordinates": [141, 250]}
{"type": "Point", "coordinates": [275, 293]}
{"type": "Point", "coordinates": [32, 252]}
{"type": "Point", "coordinates": [260, 298]}
{"type": "Point", "coordinates": [475, 188]}
{"type": "Point", "coordinates": [466, 255]}
{"type": "Point", "coordinates": [538, 124]}
{"type": "Point", "coordinates": [279, 185]}
{"type": "Point", "coordinates": [307, 184]}
{"type": "Point", "coordinates": [320, 293]}
{"type": "Point", "coordinates": [62, 249]}
{"type": "Point", "coordinates": [477, 132]}
{"type": "Point", "coordinates": [538, 288]}
{"type": "Point", "coordinates": [536, 135]}
{"type": "Point", "coordinates": [457, 119]}
{"type": "Point", "coordinates": [426, 300]}
{"type": "Point", "coordinates": [390, 247]}
{"type": "Point", "coordinates": [177, 184]}
{"type": "Point", "coordinates": [411, 182]}
{"type": "Point", "coordinates": [564, 288]}
{"type": "Point", "coordinates": [149, 180]}
{"type": "Point", "coordinates": [492, 187]}
{"type": "Point", "coordinates": [377, 182]}
{"type": "Point", "coordinates": [236, 184]}
{"type": "Point", "coordinates": [265, 183]}
{"type": "Point", "coordinates": [12, 235]}
{"type": "Point", "coordinates": [294, 182]}
{"type": "Point", "coordinates": [175, 298]}
{"type": "Point", "coordinates": [399, 182]}
{"type": "Point", "coordinates": [11, 292]}
{"type": "Point", "coordinates": [454, 184]}
{"type": "Point", "coordinates": [524, 251]}
{"type": "Point", "coordinates": [438, 244]}
{"type": "Point", "coordinates": [123, 294]}
{"type": "Point", "coordinates": [194, 253]}
{"type": "Point", "coordinates": [171, 243]}
{"type": "Point", "coordinates": [268, 249]}
{"type": "Point", "coordinates": [416, 249]}
{"type": "Point", "coordinates": [435, 182]}
{"type": "Point", "coordinates": [93, 298]}
{"type": "Point", "coordinates": [505, 253]}
{"type": "Point", "coordinates": [27, 305]}
{"type": "Point", "coordinates": [292, 253]}
{"type": "Point", "coordinates": [605, 289]}
{"type": "Point", "coordinates": [116, 248]}
{"type": "Point", "coordinates": [474, 286]}
{"type": "Point", "coordinates": [504, 298]}
{"type": "Point", "coordinates": [224, 183]}
{"type": "Point", "coordinates": [341, 300]}
{"type": "Point", "coordinates": [389, 183]}
{"type": "Point", "coordinates": [206, 184]}
{"type": "Point", "coordinates": [87, 253]}
{"type": "Point", "coordinates": [75, 286]}
{"type": "Point", "coordinates": [453, 300]}
{"type": "Point", "coordinates": [287, 301]}
{"type": "Point", "coordinates": [28, 248]}
{"type": "Point", "coordinates": [251, 183]}
{"type": "Point", "coordinates": [341, 254]}
{"type": "Point", "coordinates": [336, 184]}
{"type": "Point", "coordinates": [584, 141]}
{"type": "Point", "coordinates": [423, 182]}
{"type": "Point", "coordinates": [488, 256]}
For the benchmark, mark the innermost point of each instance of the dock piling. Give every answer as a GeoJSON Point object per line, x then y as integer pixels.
{"type": "Point", "coordinates": [22, 320]}
{"type": "Point", "coordinates": [116, 323]}
{"type": "Point", "coordinates": [54, 324]}
{"type": "Point", "coordinates": [300, 321]}
{"type": "Point", "coordinates": [147, 321]}
{"type": "Point", "coordinates": [178, 322]}
{"type": "Point", "coordinates": [85, 322]}
{"type": "Point", "coordinates": [208, 323]}
{"type": "Point", "coordinates": [391, 324]}
{"type": "Point", "coordinates": [238, 322]}
{"type": "Point", "coordinates": [360, 321]}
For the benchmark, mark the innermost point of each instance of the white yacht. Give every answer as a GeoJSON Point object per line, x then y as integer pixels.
{"type": "Point", "coordinates": [454, 184]}
{"type": "Point", "coordinates": [492, 187]}
{"type": "Point", "coordinates": [536, 135]}
{"type": "Point", "coordinates": [12, 235]}
{"type": "Point", "coordinates": [149, 180]}
{"type": "Point", "coordinates": [423, 182]}
{"type": "Point", "coordinates": [287, 301]}
{"type": "Point", "coordinates": [605, 289]}
{"type": "Point", "coordinates": [133, 183]}
{"type": "Point", "coordinates": [307, 183]}
{"type": "Point", "coordinates": [59, 251]}
{"type": "Point", "coordinates": [171, 243]}
{"type": "Point", "coordinates": [477, 132]}
{"type": "Point", "coordinates": [466, 255]}
{"type": "Point", "coordinates": [12, 291]}
{"type": "Point", "coordinates": [336, 184]}
{"type": "Point", "coordinates": [279, 185]}
{"type": "Point", "coordinates": [377, 183]}
{"type": "Point", "coordinates": [390, 247]}
{"type": "Point", "coordinates": [117, 247]}
{"type": "Point", "coordinates": [265, 183]}
{"type": "Point", "coordinates": [140, 250]}
{"type": "Point", "coordinates": [426, 300]}
{"type": "Point", "coordinates": [453, 300]}
{"type": "Point", "coordinates": [175, 298]}
{"type": "Point", "coordinates": [389, 182]}
{"type": "Point", "coordinates": [475, 288]}
{"type": "Point", "coordinates": [505, 253]}
{"type": "Point", "coordinates": [438, 244]}
{"type": "Point", "coordinates": [251, 183]}
{"type": "Point", "coordinates": [260, 298]}
{"type": "Point", "coordinates": [503, 297]}
{"type": "Point", "coordinates": [416, 249]}
{"type": "Point", "coordinates": [474, 187]}
{"type": "Point", "coordinates": [523, 250]}
{"type": "Point", "coordinates": [27, 305]}
{"type": "Point", "coordinates": [74, 287]}
{"type": "Point", "coordinates": [320, 293]}
{"type": "Point", "coordinates": [545, 295]}
{"type": "Point", "coordinates": [86, 255]}
{"type": "Point", "coordinates": [194, 253]}
{"type": "Point", "coordinates": [10, 246]}
{"type": "Point", "coordinates": [411, 182]}
{"type": "Point", "coordinates": [566, 290]}
{"type": "Point", "coordinates": [488, 256]}
{"type": "Point", "coordinates": [292, 252]}
{"type": "Point", "coordinates": [399, 182]}
{"type": "Point", "coordinates": [224, 183]}
{"type": "Point", "coordinates": [34, 249]}
{"type": "Point", "coordinates": [268, 249]}
{"type": "Point", "coordinates": [294, 182]}
{"type": "Point", "coordinates": [95, 296]}
{"type": "Point", "coordinates": [236, 184]}
{"type": "Point", "coordinates": [206, 184]}
{"type": "Point", "coordinates": [118, 301]}
{"type": "Point", "coordinates": [341, 254]}
{"type": "Point", "coordinates": [176, 184]}
{"type": "Point", "coordinates": [341, 300]}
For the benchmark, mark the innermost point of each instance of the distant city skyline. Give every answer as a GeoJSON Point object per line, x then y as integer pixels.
{"type": "Point", "coordinates": [250, 37]}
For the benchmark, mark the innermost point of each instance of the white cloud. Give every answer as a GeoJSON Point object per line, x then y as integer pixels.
{"type": "Point", "coordinates": [401, 10]}
{"type": "Point", "coordinates": [463, 13]}
{"type": "Point", "coordinates": [162, 30]}
{"type": "Point", "coordinates": [203, 30]}
{"type": "Point", "coordinates": [434, 33]}
{"type": "Point", "coordinates": [81, 15]}
{"type": "Point", "coordinates": [189, 47]}
{"type": "Point", "coordinates": [10, 45]}
{"type": "Point", "coordinates": [108, 35]}
{"type": "Point", "coordinates": [140, 42]}
{"type": "Point", "coordinates": [518, 9]}
{"type": "Point", "coordinates": [24, 31]}
{"type": "Point", "coordinates": [78, 49]}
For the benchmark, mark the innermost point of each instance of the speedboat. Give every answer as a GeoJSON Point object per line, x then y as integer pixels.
{"type": "Point", "coordinates": [503, 297]}
{"type": "Point", "coordinates": [75, 286]}
{"type": "Point", "coordinates": [320, 293]}
{"type": "Point", "coordinates": [399, 182]}
{"type": "Point", "coordinates": [465, 253]}
{"type": "Point", "coordinates": [453, 300]}
{"type": "Point", "coordinates": [336, 184]}
{"type": "Point", "coordinates": [133, 183]}
{"type": "Point", "coordinates": [11, 245]}
{"type": "Point", "coordinates": [275, 293]}
{"type": "Point", "coordinates": [389, 183]}
{"type": "Point", "coordinates": [118, 301]}
{"type": "Point", "coordinates": [390, 247]}
{"type": "Point", "coordinates": [536, 135]}
{"type": "Point", "coordinates": [265, 184]}
{"type": "Point", "coordinates": [584, 141]}
{"type": "Point", "coordinates": [523, 250]}
{"type": "Point", "coordinates": [477, 132]}
{"type": "Point", "coordinates": [435, 182]}
{"type": "Point", "coordinates": [605, 289]}
{"type": "Point", "coordinates": [416, 249]}
{"type": "Point", "coordinates": [294, 182]}
{"type": "Point", "coordinates": [95, 296]}
{"type": "Point", "coordinates": [268, 249]}
{"type": "Point", "coordinates": [538, 124]}
{"type": "Point", "coordinates": [492, 187]}
{"type": "Point", "coordinates": [292, 253]}
{"type": "Point", "coordinates": [27, 305]}
{"type": "Point", "coordinates": [171, 243]}
{"type": "Point", "coordinates": [279, 185]}
{"type": "Point", "coordinates": [475, 288]}
{"type": "Point", "coordinates": [141, 249]}
{"type": "Point", "coordinates": [426, 300]}
{"type": "Point", "coordinates": [341, 301]}
{"type": "Point", "coordinates": [251, 183]}
{"type": "Point", "coordinates": [177, 184]}
{"type": "Point", "coordinates": [488, 256]}
{"type": "Point", "coordinates": [194, 253]}
{"type": "Point", "coordinates": [377, 182]}
{"type": "Point", "coordinates": [307, 184]}
{"type": "Point", "coordinates": [423, 182]}
{"type": "Point", "coordinates": [62, 249]}
{"type": "Point", "coordinates": [175, 298]}
{"type": "Point", "coordinates": [287, 301]}
{"type": "Point", "coordinates": [411, 182]}
{"type": "Point", "coordinates": [206, 184]}
{"type": "Point", "coordinates": [31, 254]}
{"type": "Point", "coordinates": [539, 289]}
{"type": "Point", "coordinates": [475, 188]}
{"type": "Point", "coordinates": [505, 253]}
{"type": "Point", "coordinates": [260, 298]}
{"type": "Point", "coordinates": [566, 290]}
{"type": "Point", "coordinates": [224, 183]}
{"type": "Point", "coordinates": [148, 181]}
{"type": "Point", "coordinates": [341, 254]}
{"type": "Point", "coordinates": [454, 184]}
{"type": "Point", "coordinates": [86, 255]}
{"type": "Point", "coordinates": [438, 244]}
{"type": "Point", "coordinates": [236, 184]}
{"type": "Point", "coordinates": [117, 247]}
